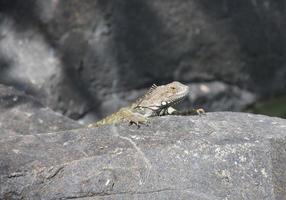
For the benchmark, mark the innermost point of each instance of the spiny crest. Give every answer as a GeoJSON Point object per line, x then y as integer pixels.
{"type": "Point", "coordinates": [152, 88]}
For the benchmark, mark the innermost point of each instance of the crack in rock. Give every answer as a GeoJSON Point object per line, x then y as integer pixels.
{"type": "Point", "coordinates": [147, 162]}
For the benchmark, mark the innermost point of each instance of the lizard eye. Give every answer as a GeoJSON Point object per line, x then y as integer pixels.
{"type": "Point", "coordinates": [164, 103]}
{"type": "Point", "coordinates": [173, 88]}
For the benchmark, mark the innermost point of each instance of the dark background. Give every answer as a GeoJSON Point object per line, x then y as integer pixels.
{"type": "Point", "coordinates": [87, 58]}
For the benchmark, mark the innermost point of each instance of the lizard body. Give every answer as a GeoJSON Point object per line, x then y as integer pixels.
{"type": "Point", "coordinates": [157, 101]}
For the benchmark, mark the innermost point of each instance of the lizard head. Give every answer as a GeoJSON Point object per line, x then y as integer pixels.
{"type": "Point", "coordinates": [162, 97]}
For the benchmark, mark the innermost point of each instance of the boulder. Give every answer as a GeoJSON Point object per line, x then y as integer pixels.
{"type": "Point", "coordinates": [74, 53]}
{"type": "Point", "coordinates": [22, 114]}
{"type": "Point", "coordinates": [221, 155]}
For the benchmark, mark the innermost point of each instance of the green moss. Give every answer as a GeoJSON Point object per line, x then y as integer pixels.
{"type": "Point", "coordinates": [272, 107]}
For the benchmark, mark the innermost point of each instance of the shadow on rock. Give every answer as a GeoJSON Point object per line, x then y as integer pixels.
{"type": "Point", "coordinates": [257, 28]}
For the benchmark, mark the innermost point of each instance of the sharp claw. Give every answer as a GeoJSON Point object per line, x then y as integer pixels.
{"type": "Point", "coordinates": [137, 124]}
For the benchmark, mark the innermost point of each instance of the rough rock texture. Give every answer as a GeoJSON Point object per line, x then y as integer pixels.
{"type": "Point", "coordinates": [76, 53]}
{"type": "Point", "coordinates": [217, 156]}
{"type": "Point", "coordinates": [218, 96]}
{"type": "Point", "coordinates": [21, 114]}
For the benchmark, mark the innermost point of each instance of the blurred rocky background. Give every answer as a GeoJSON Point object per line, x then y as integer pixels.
{"type": "Point", "coordinates": [86, 59]}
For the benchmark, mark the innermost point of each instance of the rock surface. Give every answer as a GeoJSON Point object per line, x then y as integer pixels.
{"type": "Point", "coordinates": [220, 155]}
{"type": "Point", "coordinates": [21, 114]}
{"type": "Point", "coordinates": [76, 53]}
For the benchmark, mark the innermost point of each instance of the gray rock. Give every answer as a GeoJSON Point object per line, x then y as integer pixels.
{"type": "Point", "coordinates": [21, 114]}
{"type": "Point", "coordinates": [216, 156]}
{"type": "Point", "coordinates": [218, 96]}
{"type": "Point", "coordinates": [74, 54]}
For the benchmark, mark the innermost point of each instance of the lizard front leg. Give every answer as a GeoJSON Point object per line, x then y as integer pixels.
{"type": "Point", "coordinates": [191, 111]}
{"type": "Point", "coordinates": [134, 117]}
{"type": "Point", "coordinates": [172, 111]}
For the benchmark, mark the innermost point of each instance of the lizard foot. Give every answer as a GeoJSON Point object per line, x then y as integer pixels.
{"type": "Point", "coordinates": [140, 122]}
{"type": "Point", "coordinates": [137, 120]}
{"type": "Point", "coordinates": [200, 111]}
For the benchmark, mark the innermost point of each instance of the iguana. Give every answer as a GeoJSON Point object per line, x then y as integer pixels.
{"type": "Point", "coordinates": [158, 101]}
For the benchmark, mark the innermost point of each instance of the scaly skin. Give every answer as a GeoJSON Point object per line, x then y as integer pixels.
{"type": "Point", "coordinates": [157, 101]}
